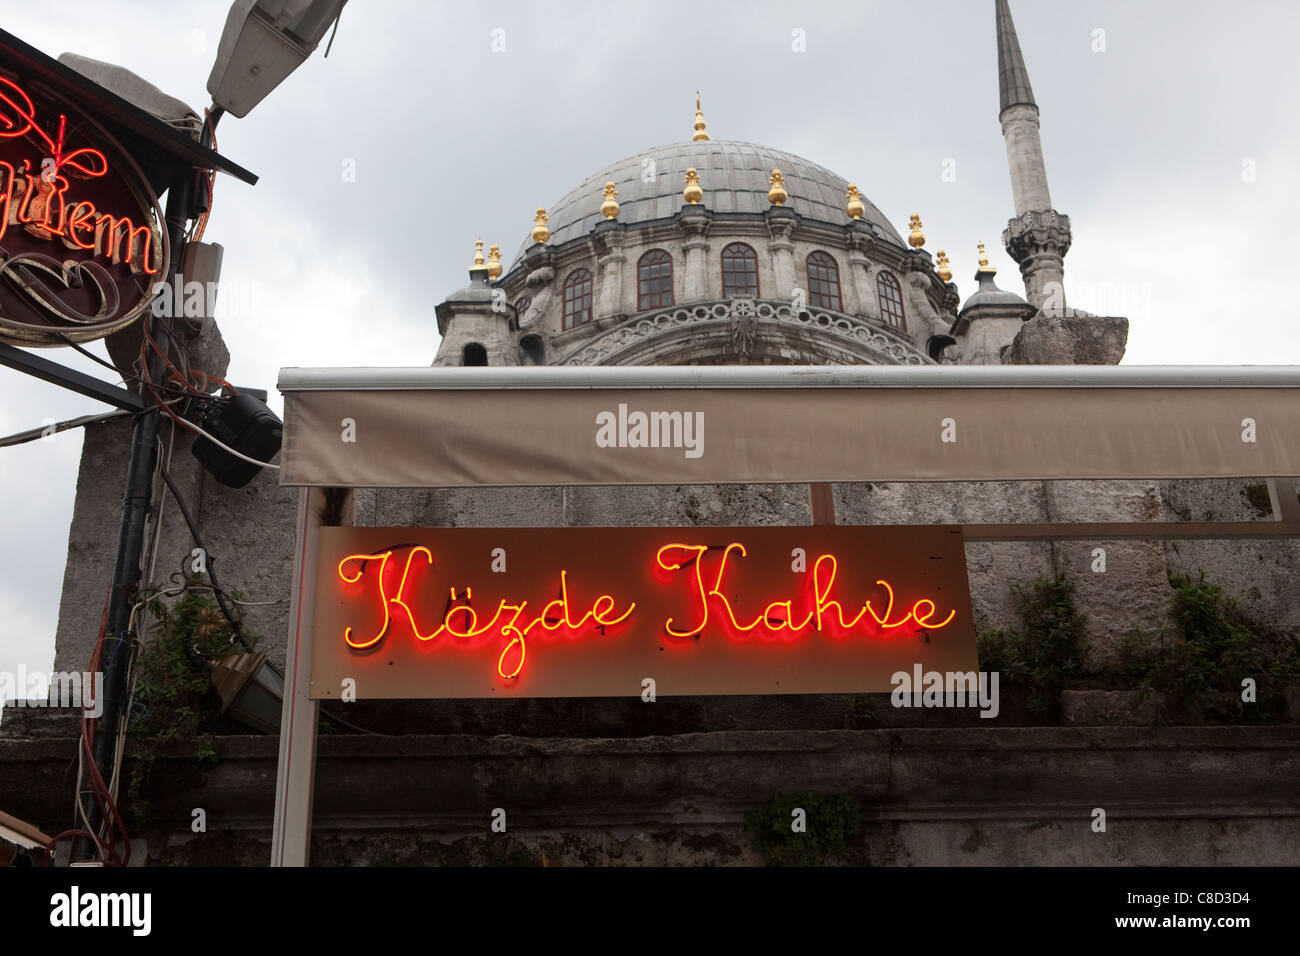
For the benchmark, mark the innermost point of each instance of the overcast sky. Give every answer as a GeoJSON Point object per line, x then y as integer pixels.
{"type": "Point", "coordinates": [1168, 127]}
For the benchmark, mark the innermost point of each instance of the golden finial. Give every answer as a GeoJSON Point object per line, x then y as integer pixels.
{"type": "Point", "coordinates": [777, 194]}
{"type": "Point", "coordinates": [494, 262]}
{"type": "Point", "coordinates": [856, 208]}
{"type": "Point", "coordinates": [945, 273]}
{"type": "Point", "coordinates": [692, 193]}
{"type": "Point", "coordinates": [540, 232]}
{"type": "Point", "coordinates": [609, 208]}
{"type": "Point", "coordinates": [984, 259]}
{"type": "Point", "coordinates": [478, 253]}
{"type": "Point", "coordinates": [700, 134]}
{"type": "Point", "coordinates": [917, 239]}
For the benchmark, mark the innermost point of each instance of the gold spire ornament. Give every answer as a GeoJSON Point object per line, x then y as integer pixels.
{"type": "Point", "coordinates": [692, 193]}
{"type": "Point", "coordinates": [540, 232]}
{"type": "Point", "coordinates": [856, 208]}
{"type": "Point", "coordinates": [478, 253]}
{"type": "Point", "coordinates": [700, 134]}
{"type": "Point", "coordinates": [917, 239]}
{"type": "Point", "coordinates": [777, 194]}
{"type": "Point", "coordinates": [609, 208]}
{"type": "Point", "coordinates": [494, 262]}
{"type": "Point", "coordinates": [984, 259]}
{"type": "Point", "coordinates": [945, 273]}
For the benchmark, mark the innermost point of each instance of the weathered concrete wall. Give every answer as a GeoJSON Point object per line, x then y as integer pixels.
{"type": "Point", "coordinates": [248, 531]}
{"type": "Point", "coordinates": [1264, 576]}
{"type": "Point", "coordinates": [1018, 796]}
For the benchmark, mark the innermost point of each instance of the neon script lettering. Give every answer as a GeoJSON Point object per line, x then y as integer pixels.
{"type": "Point", "coordinates": [512, 622]}
{"type": "Point", "coordinates": [778, 617]}
{"type": "Point", "coordinates": [37, 200]}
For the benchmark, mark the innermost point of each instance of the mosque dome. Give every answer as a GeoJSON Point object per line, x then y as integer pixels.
{"type": "Point", "coordinates": [734, 177]}
{"type": "Point", "coordinates": [989, 298]}
{"type": "Point", "coordinates": [707, 252]}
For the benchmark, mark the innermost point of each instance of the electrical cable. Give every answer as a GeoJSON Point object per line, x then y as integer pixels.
{"type": "Point", "coordinates": [89, 354]}
{"type": "Point", "coordinates": [32, 434]}
{"type": "Point", "coordinates": [236, 624]}
{"type": "Point", "coordinates": [147, 341]}
{"type": "Point", "coordinates": [106, 845]}
{"type": "Point", "coordinates": [208, 138]}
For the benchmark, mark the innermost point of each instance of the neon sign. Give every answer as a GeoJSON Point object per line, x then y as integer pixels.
{"type": "Point", "coordinates": [79, 234]}
{"type": "Point", "coordinates": [507, 620]}
{"type": "Point", "coordinates": [818, 617]}
{"type": "Point", "coordinates": [682, 593]}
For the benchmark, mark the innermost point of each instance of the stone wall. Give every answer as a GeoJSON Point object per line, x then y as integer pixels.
{"type": "Point", "coordinates": [1190, 796]}
{"type": "Point", "coordinates": [249, 532]}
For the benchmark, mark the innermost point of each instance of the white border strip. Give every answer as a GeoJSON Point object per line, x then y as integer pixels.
{"type": "Point", "coordinates": [792, 376]}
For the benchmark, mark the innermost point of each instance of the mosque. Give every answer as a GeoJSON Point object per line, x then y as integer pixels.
{"type": "Point", "coordinates": [715, 252]}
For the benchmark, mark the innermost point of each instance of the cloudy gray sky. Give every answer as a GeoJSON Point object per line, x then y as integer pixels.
{"type": "Point", "coordinates": [1151, 129]}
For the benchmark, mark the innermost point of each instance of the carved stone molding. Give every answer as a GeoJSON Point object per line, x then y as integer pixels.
{"type": "Point", "coordinates": [734, 322]}
{"type": "Point", "coordinates": [744, 325]}
{"type": "Point", "coordinates": [1036, 233]}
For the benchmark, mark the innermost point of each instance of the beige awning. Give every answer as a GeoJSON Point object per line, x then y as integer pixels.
{"type": "Point", "coordinates": [426, 427]}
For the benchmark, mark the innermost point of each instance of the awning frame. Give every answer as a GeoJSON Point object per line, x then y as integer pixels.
{"type": "Point", "coordinates": [296, 775]}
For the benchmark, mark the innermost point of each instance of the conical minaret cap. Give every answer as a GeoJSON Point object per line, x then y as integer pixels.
{"type": "Point", "coordinates": [1013, 78]}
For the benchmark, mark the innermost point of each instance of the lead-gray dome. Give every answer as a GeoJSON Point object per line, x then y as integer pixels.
{"type": "Point", "coordinates": [733, 175]}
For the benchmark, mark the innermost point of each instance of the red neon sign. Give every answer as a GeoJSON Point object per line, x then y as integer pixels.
{"type": "Point", "coordinates": [818, 617]}
{"type": "Point", "coordinates": [713, 612]}
{"type": "Point", "coordinates": [33, 194]}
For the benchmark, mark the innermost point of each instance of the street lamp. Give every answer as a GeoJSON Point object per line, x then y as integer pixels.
{"type": "Point", "coordinates": [263, 42]}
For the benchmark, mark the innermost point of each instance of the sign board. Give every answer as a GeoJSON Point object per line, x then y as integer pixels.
{"type": "Point", "coordinates": [595, 612]}
{"type": "Point", "coordinates": [82, 246]}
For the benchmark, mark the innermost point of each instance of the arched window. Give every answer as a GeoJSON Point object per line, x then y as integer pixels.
{"type": "Point", "coordinates": [473, 354]}
{"type": "Point", "coordinates": [739, 271]}
{"type": "Point", "coordinates": [521, 307]}
{"type": "Point", "coordinates": [823, 282]}
{"type": "Point", "coordinates": [891, 299]}
{"type": "Point", "coordinates": [577, 298]}
{"type": "Point", "coordinates": [654, 280]}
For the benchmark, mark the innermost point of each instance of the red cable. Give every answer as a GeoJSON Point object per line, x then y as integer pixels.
{"type": "Point", "coordinates": [99, 789]}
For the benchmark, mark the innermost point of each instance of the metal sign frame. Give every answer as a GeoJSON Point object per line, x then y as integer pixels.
{"type": "Point", "coordinates": [319, 504]}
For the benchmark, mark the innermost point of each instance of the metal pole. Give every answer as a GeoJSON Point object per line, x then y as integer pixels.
{"type": "Point", "coordinates": [131, 532]}
{"type": "Point", "coordinates": [295, 778]}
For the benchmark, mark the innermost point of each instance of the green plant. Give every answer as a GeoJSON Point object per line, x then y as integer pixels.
{"type": "Point", "coordinates": [1043, 653]}
{"type": "Point", "coordinates": [829, 822]}
{"type": "Point", "coordinates": [1214, 644]}
{"type": "Point", "coordinates": [173, 697]}
{"type": "Point", "coordinates": [860, 713]}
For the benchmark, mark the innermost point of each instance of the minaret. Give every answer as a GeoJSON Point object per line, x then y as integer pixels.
{"type": "Point", "coordinates": [1038, 237]}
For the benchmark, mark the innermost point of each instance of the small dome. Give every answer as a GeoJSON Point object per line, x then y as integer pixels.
{"type": "Point", "coordinates": [735, 177]}
{"type": "Point", "coordinates": [988, 294]}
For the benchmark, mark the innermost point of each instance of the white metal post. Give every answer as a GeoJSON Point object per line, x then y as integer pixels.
{"type": "Point", "coordinates": [295, 779]}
